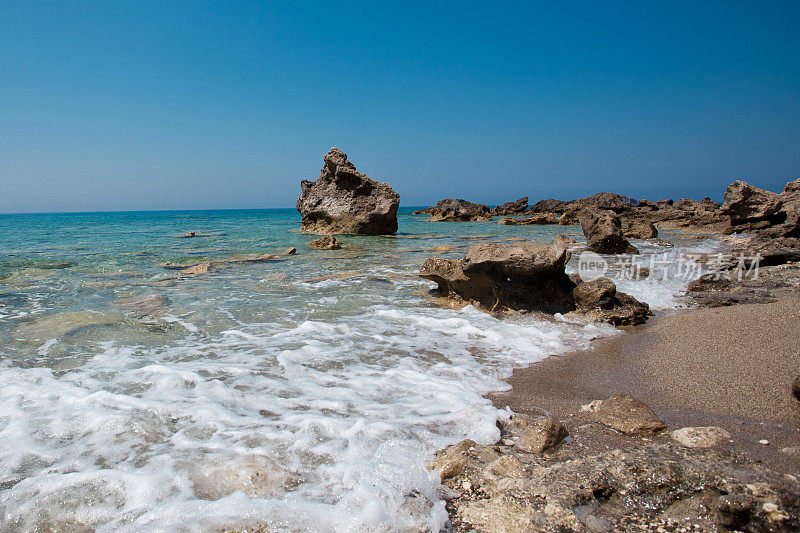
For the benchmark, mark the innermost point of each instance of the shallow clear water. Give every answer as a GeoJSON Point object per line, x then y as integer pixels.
{"type": "Point", "coordinates": [301, 394]}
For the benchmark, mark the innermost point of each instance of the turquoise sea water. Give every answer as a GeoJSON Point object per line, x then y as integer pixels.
{"type": "Point", "coordinates": [305, 393]}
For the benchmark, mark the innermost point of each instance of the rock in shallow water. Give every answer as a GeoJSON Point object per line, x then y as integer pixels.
{"type": "Point", "coordinates": [457, 210]}
{"type": "Point", "coordinates": [603, 231]}
{"type": "Point", "coordinates": [327, 242]}
{"type": "Point", "coordinates": [344, 201]}
{"type": "Point", "coordinates": [529, 277]}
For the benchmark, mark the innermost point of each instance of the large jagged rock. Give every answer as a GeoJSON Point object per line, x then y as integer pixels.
{"type": "Point", "coordinates": [456, 210]}
{"type": "Point", "coordinates": [745, 203]}
{"type": "Point", "coordinates": [497, 277]}
{"type": "Point", "coordinates": [344, 201]}
{"type": "Point", "coordinates": [516, 207]}
{"type": "Point", "coordinates": [529, 277]}
{"type": "Point", "coordinates": [603, 232]}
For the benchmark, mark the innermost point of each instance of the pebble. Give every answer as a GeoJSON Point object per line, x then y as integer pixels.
{"type": "Point", "coordinates": [765, 442]}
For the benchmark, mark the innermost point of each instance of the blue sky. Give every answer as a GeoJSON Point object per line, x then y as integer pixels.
{"type": "Point", "coordinates": [184, 105]}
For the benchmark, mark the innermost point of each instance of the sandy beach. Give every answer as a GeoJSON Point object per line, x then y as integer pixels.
{"type": "Point", "coordinates": [730, 367]}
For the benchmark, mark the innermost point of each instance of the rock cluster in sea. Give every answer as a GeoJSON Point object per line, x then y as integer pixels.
{"type": "Point", "coordinates": [529, 277]}
{"type": "Point", "coordinates": [344, 201]}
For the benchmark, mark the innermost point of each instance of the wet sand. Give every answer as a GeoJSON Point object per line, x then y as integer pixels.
{"type": "Point", "coordinates": [731, 367]}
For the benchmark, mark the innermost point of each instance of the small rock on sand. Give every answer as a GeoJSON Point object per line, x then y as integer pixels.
{"type": "Point", "coordinates": [628, 415]}
{"type": "Point", "coordinates": [701, 437]}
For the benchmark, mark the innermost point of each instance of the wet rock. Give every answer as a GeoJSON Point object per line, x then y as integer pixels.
{"type": "Point", "coordinates": [709, 282]}
{"type": "Point", "coordinates": [540, 220]}
{"type": "Point", "coordinates": [344, 201]}
{"type": "Point", "coordinates": [456, 210]}
{"type": "Point", "coordinates": [599, 301]}
{"type": "Point", "coordinates": [701, 437]}
{"type": "Point", "coordinates": [745, 203]}
{"type": "Point", "coordinates": [529, 277]}
{"type": "Point", "coordinates": [328, 242]}
{"type": "Point", "coordinates": [188, 235]}
{"type": "Point", "coordinates": [516, 207]}
{"type": "Point", "coordinates": [563, 240]}
{"type": "Point", "coordinates": [641, 229]}
{"type": "Point", "coordinates": [734, 510]}
{"type": "Point", "coordinates": [150, 308]}
{"type": "Point", "coordinates": [603, 231]}
{"type": "Point", "coordinates": [496, 277]}
{"type": "Point", "coordinates": [426, 211]}
{"type": "Point", "coordinates": [42, 328]}
{"type": "Point", "coordinates": [290, 251]}
{"type": "Point", "coordinates": [541, 434]}
{"type": "Point", "coordinates": [628, 415]}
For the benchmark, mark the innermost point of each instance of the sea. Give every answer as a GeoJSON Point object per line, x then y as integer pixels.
{"type": "Point", "coordinates": [306, 393]}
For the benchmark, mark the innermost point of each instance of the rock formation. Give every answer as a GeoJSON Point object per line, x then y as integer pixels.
{"type": "Point", "coordinates": [344, 201]}
{"type": "Point", "coordinates": [603, 231]}
{"type": "Point", "coordinates": [455, 210]}
{"type": "Point", "coordinates": [529, 277]}
{"type": "Point", "coordinates": [517, 207]}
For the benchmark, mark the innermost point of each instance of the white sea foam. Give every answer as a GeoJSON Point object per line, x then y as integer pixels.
{"type": "Point", "coordinates": [322, 426]}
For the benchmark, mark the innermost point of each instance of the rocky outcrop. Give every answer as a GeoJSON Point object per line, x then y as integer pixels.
{"type": "Point", "coordinates": [550, 205]}
{"type": "Point", "coordinates": [328, 242]}
{"type": "Point", "coordinates": [426, 211]}
{"type": "Point", "coordinates": [745, 203]}
{"type": "Point", "coordinates": [506, 277]}
{"type": "Point", "coordinates": [456, 210]}
{"type": "Point", "coordinates": [516, 207]}
{"type": "Point", "coordinates": [344, 201]}
{"type": "Point", "coordinates": [529, 277]}
{"type": "Point", "coordinates": [646, 486]}
{"type": "Point", "coordinates": [608, 201]}
{"type": "Point", "coordinates": [603, 232]}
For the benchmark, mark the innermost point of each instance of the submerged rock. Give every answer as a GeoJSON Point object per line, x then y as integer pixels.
{"type": "Point", "coordinates": [327, 242]}
{"type": "Point", "coordinates": [344, 201]}
{"type": "Point", "coordinates": [456, 210]}
{"type": "Point", "coordinates": [603, 231]}
{"type": "Point", "coordinates": [540, 219]}
{"type": "Point", "coordinates": [563, 240]}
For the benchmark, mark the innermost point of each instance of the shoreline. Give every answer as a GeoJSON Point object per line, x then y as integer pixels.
{"type": "Point", "coordinates": [663, 364]}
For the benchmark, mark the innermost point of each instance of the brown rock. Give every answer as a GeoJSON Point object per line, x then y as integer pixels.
{"type": "Point", "coordinates": [540, 435]}
{"type": "Point", "coordinates": [603, 231]}
{"type": "Point", "coordinates": [442, 248]}
{"type": "Point", "coordinates": [641, 229]}
{"type": "Point", "coordinates": [598, 300]}
{"type": "Point", "coordinates": [456, 210]}
{"type": "Point", "coordinates": [328, 242]}
{"type": "Point", "coordinates": [521, 277]}
{"type": "Point", "coordinates": [701, 437]}
{"type": "Point", "coordinates": [549, 206]}
{"type": "Point", "coordinates": [563, 240]}
{"type": "Point", "coordinates": [734, 510]}
{"type": "Point", "coordinates": [628, 415]}
{"type": "Point", "coordinates": [539, 219]}
{"type": "Point", "coordinates": [516, 207]}
{"type": "Point", "coordinates": [343, 200]}
{"type": "Point", "coordinates": [796, 389]}
{"type": "Point", "coordinates": [745, 203]}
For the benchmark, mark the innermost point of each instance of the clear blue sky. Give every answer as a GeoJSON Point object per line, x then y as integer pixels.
{"type": "Point", "coordinates": [183, 105]}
